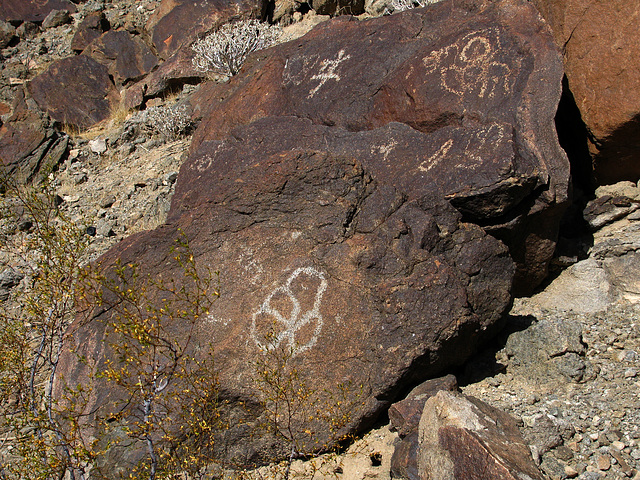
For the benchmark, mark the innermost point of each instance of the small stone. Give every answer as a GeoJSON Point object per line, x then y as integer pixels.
{"type": "Point", "coordinates": [552, 468]}
{"type": "Point", "coordinates": [630, 373]}
{"type": "Point", "coordinates": [570, 472]}
{"type": "Point", "coordinates": [603, 462]}
{"type": "Point", "coordinates": [618, 445]}
{"type": "Point", "coordinates": [104, 228]}
{"type": "Point", "coordinates": [98, 145]}
{"type": "Point", "coordinates": [107, 201]}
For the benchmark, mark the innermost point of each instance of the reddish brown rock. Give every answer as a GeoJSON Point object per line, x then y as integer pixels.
{"type": "Point", "coordinates": [177, 23]}
{"type": "Point", "coordinates": [462, 437]}
{"type": "Point", "coordinates": [373, 279]}
{"type": "Point", "coordinates": [31, 10]}
{"type": "Point", "coordinates": [601, 45]}
{"type": "Point", "coordinates": [126, 57]}
{"type": "Point", "coordinates": [171, 74]}
{"type": "Point", "coordinates": [27, 144]}
{"type": "Point", "coordinates": [457, 65]}
{"type": "Point", "coordinates": [75, 91]}
{"type": "Point", "coordinates": [91, 28]}
{"type": "Point", "coordinates": [405, 415]}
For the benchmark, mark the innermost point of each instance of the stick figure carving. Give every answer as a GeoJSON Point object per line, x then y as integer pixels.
{"type": "Point", "coordinates": [300, 315]}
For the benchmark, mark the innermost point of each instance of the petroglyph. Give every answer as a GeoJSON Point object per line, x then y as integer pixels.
{"type": "Point", "coordinates": [437, 157]}
{"type": "Point", "coordinates": [473, 148]}
{"type": "Point", "coordinates": [385, 149]}
{"type": "Point", "coordinates": [471, 65]}
{"type": "Point", "coordinates": [328, 71]}
{"type": "Point", "coordinates": [295, 321]}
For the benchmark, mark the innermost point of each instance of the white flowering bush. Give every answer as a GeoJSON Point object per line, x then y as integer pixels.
{"type": "Point", "coordinates": [171, 121]}
{"type": "Point", "coordinates": [224, 51]}
{"type": "Point", "coordinates": [402, 5]}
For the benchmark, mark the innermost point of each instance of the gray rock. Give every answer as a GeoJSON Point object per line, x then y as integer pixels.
{"type": "Point", "coordinates": [98, 145]}
{"type": "Point", "coordinates": [7, 32]}
{"type": "Point", "coordinates": [9, 278]}
{"type": "Point", "coordinates": [548, 351]}
{"type": "Point", "coordinates": [56, 18]}
{"type": "Point", "coordinates": [583, 287]}
{"type": "Point", "coordinates": [27, 30]}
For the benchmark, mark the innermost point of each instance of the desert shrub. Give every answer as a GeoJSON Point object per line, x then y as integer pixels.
{"type": "Point", "coordinates": [168, 383]}
{"type": "Point", "coordinates": [402, 5]}
{"type": "Point", "coordinates": [40, 435]}
{"type": "Point", "coordinates": [171, 121]}
{"type": "Point", "coordinates": [224, 51]}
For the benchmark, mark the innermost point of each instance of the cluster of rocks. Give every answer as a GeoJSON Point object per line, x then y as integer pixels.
{"type": "Point", "coordinates": [378, 190]}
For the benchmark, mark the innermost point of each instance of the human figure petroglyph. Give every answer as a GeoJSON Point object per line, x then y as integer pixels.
{"type": "Point", "coordinates": [328, 71]}
{"type": "Point", "coordinates": [471, 65]}
{"type": "Point", "coordinates": [297, 318]}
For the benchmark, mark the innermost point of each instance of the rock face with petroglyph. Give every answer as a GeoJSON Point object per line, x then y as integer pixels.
{"type": "Point", "coordinates": [481, 80]}
{"type": "Point", "coordinates": [371, 280]}
{"type": "Point", "coordinates": [349, 237]}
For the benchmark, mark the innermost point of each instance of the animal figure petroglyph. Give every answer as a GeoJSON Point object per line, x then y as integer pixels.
{"type": "Point", "coordinates": [297, 318]}
{"type": "Point", "coordinates": [472, 148]}
{"type": "Point", "coordinates": [471, 66]}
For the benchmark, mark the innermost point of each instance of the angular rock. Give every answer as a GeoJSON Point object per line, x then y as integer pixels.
{"type": "Point", "coordinates": [127, 58]}
{"type": "Point", "coordinates": [91, 28]}
{"type": "Point", "coordinates": [56, 18]}
{"type": "Point", "coordinates": [404, 461]}
{"type": "Point", "coordinates": [460, 434]}
{"type": "Point", "coordinates": [550, 350]}
{"type": "Point", "coordinates": [446, 71]}
{"type": "Point", "coordinates": [27, 30]}
{"type": "Point", "coordinates": [405, 415]}
{"type": "Point", "coordinates": [601, 45]}
{"type": "Point", "coordinates": [9, 278]}
{"type": "Point", "coordinates": [341, 247]}
{"type": "Point", "coordinates": [171, 74]}
{"type": "Point", "coordinates": [75, 91]}
{"type": "Point", "coordinates": [177, 23]}
{"type": "Point", "coordinates": [27, 144]}
{"type": "Point", "coordinates": [7, 33]}
{"type": "Point", "coordinates": [31, 10]}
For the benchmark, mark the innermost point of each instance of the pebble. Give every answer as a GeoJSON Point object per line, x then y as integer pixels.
{"type": "Point", "coordinates": [603, 462]}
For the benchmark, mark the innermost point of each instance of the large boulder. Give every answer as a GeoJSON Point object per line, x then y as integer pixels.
{"type": "Point", "coordinates": [448, 70]}
{"type": "Point", "coordinates": [31, 10]}
{"type": "Point", "coordinates": [127, 58]}
{"type": "Point", "coordinates": [338, 247]}
{"type": "Point", "coordinates": [601, 45]}
{"type": "Point", "coordinates": [28, 144]}
{"type": "Point", "coordinates": [75, 91]}
{"type": "Point", "coordinates": [339, 198]}
{"type": "Point", "coordinates": [177, 23]}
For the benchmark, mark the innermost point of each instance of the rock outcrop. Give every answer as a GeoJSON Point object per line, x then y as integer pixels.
{"type": "Point", "coordinates": [31, 10]}
{"type": "Point", "coordinates": [601, 45]}
{"type": "Point", "coordinates": [339, 199]}
{"type": "Point", "coordinates": [28, 144]}
{"type": "Point", "coordinates": [487, 93]}
{"type": "Point", "coordinates": [126, 57]}
{"type": "Point", "coordinates": [177, 23]}
{"type": "Point", "coordinates": [75, 91]}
